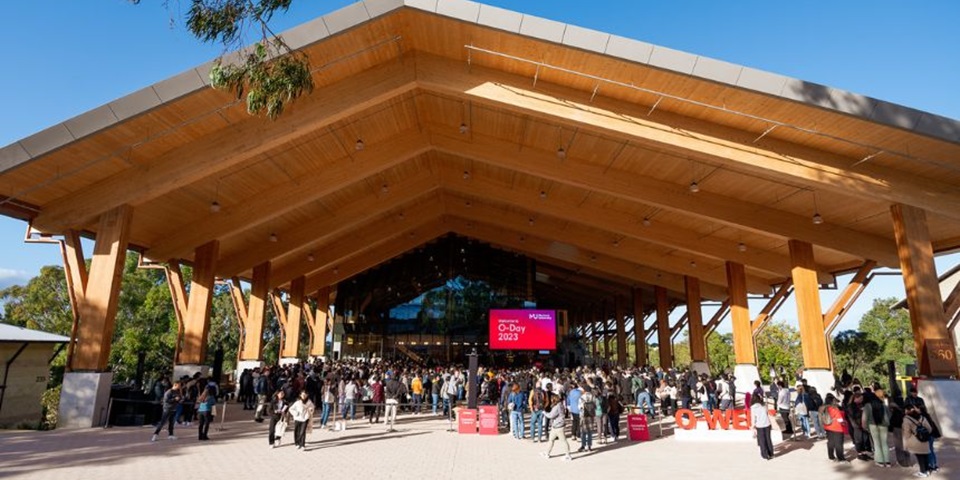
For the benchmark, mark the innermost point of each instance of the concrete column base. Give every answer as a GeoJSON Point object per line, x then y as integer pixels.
{"type": "Point", "coordinates": [942, 398]}
{"type": "Point", "coordinates": [746, 374]}
{"type": "Point", "coordinates": [84, 398]}
{"type": "Point", "coordinates": [700, 368]}
{"type": "Point", "coordinates": [289, 361]}
{"type": "Point", "coordinates": [189, 370]}
{"type": "Point", "coordinates": [822, 380]}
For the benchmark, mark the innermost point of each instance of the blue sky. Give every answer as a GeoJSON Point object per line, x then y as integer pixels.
{"type": "Point", "coordinates": [66, 57]}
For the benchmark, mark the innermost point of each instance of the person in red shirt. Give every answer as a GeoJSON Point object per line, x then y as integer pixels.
{"type": "Point", "coordinates": [836, 428]}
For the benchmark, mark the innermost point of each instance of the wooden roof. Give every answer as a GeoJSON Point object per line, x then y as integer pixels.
{"type": "Point", "coordinates": [571, 146]}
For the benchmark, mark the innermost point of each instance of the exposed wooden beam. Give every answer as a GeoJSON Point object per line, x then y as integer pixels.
{"type": "Point", "coordinates": [698, 139]}
{"type": "Point", "coordinates": [230, 146]}
{"type": "Point", "coordinates": [357, 213]}
{"type": "Point", "coordinates": [368, 256]}
{"type": "Point", "coordinates": [584, 237]}
{"type": "Point", "coordinates": [848, 296]}
{"type": "Point", "coordinates": [341, 247]}
{"type": "Point", "coordinates": [783, 292]}
{"type": "Point", "coordinates": [256, 211]}
{"type": "Point", "coordinates": [553, 248]}
{"type": "Point", "coordinates": [618, 222]}
{"type": "Point", "coordinates": [671, 197]}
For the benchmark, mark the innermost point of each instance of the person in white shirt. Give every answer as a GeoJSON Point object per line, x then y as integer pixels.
{"type": "Point", "coordinates": [761, 426]}
{"type": "Point", "coordinates": [302, 413]}
{"type": "Point", "coordinates": [783, 406]}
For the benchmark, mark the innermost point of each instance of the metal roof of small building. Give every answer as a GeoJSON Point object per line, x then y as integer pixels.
{"type": "Point", "coordinates": [13, 333]}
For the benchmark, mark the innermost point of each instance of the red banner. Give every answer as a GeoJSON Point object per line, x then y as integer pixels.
{"type": "Point", "coordinates": [466, 420]}
{"type": "Point", "coordinates": [637, 426]}
{"type": "Point", "coordinates": [489, 420]}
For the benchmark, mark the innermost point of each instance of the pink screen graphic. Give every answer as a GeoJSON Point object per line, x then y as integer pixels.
{"type": "Point", "coordinates": [523, 330]}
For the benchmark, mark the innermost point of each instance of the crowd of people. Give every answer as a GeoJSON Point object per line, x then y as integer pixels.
{"type": "Point", "coordinates": [536, 404]}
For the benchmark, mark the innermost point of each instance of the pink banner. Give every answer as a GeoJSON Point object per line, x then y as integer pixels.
{"type": "Point", "coordinates": [488, 420]}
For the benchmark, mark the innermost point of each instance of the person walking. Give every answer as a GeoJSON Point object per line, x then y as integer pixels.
{"type": "Point", "coordinates": [761, 426]}
{"type": "Point", "coordinates": [302, 413]}
{"type": "Point", "coordinates": [831, 417]}
{"type": "Point", "coordinates": [205, 404]}
{"type": "Point", "coordinates": [916, 435]}
{"type": "Point", "coordinates": [556, 417]}
{"type": "Point", "coordinates": [171, 400]}
{"type": "Point", "coordinates": [278, 422]}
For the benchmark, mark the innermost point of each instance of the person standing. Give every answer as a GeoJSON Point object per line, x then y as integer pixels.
{"type": "Point", "coordinates": [876, 420]}
{"type": "Point", "coordinates": [835, 427]}
{"type": "Point", "coordinates": [205, 404]}
{"type": "Point", "coordinates": [614, 409]}
{"type": "Point", "coordinates": [416, 387]}
{"type": "Point", "coordinates": [278, 410]}
{"type": "Point", "coordinates": [537, 400]}
{"type": "Point", "coordinates": [573, 405]}
{"type": "Point", "coordinates": [302, 413]}
{"type": "Point", "coordinates": [783, 407]}
{"type": "Point", "coordinates": [588, 413]}
{"type": "Point", "coordinates": [916, 436]}
{"type": "Point", "coordinates": [914, 400]}
{"type": "Point", "coordinates": [393, 391]}
{"type": "Point", "coordinates": [555, 416]}
{"type": "Point", "coordinates": [329, 396]}
{"type": "Point", "coordinates": [171, 400]}
{"type": "Point", "coordinates": [377, 400]}
{"type": "Point", "coordinates": [761, 426]}
{"type": "Point", "coordinates": [435, 387]}
{"type": "Point", "coordinates": [515, 403]}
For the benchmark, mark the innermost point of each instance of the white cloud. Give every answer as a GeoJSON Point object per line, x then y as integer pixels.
{"type": "Point", "coordinates": [9, 276]}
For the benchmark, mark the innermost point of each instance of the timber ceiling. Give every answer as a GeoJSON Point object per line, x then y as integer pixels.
{"type": "Point", "coordinates": [462, 133]}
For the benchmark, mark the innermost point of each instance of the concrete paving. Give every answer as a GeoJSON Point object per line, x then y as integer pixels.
{"type": "Point", "coordinates": [420, 448]}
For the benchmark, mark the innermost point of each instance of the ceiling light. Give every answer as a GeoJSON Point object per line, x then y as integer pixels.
{"type": "Point", "coordinates": [215, 207]}
{"type": "Point", "coordinates": [616, 243]}
{"type": "Point", "coordinates": [646, 221]}
{"type": "Point", "coordinates": [468, 204]}
{"type": "Point", "coordinates": [742, 247]}
{"type": "Point", "coordinates": [522, 238]}
{"type": "Point", "coordinates": [336, 270]}
{"type": "Point", "coordinates": [694, 187]}
{"type": "Point", "coordinates": [466, 175]}
{"type": "Point", "coordinates": [273, 237]}
{"type": "Point", "coordinates": [817, 219]}
{"type": "Point", "coordinates": [401, 217]}
{"type": "Point", "coordinates": [593, 258]}
{"type": "Point", "coordinates": [543, 194]}
{"type": "Point", "coordinates": [464, 128]}
{"type": "Point", "coordinates": [530, 221]}
{"type": "Point", "coordinates": [385, 188]}
{"type": "Point", "coordinates": [359, 145]}
{"type": "Point", "coordinates": [561, 153]}
{"type": "Point", "coordinates": [693, 264]}
{"type": "Point", "coordinates": [310, 258]}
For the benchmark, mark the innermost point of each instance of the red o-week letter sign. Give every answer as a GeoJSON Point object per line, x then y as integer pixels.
{"type": "Point", "coordinates": [716, 420]}
{"type": "Point", "coordinates": [523, 330]}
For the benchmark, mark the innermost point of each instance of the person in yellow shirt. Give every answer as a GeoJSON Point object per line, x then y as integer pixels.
{"type": "Point", "coordinates": [416, 387]}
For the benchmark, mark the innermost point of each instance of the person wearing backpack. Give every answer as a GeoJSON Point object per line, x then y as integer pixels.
{"type": "Point", "coordinates": [588, 414]}
{"type": "Point", "coordinates": [916, 438]}
{"type": "Point", "coordinates": [832, 420]}
{"type": "Point", "coordinates": [876, 418]}
{"type": "Point", "coordinates": [537, 397]}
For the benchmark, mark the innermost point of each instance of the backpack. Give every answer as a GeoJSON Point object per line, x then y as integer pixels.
{"type": "Point", "coordinates": [825, 417]}
{"type": "Point", "coordinates": [922, 433]}
{"type": "Point", "coordinates": [589, 407]}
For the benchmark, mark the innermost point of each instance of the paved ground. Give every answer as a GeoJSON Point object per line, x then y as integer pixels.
{"type": "Point", "coordinates": [420, 447]}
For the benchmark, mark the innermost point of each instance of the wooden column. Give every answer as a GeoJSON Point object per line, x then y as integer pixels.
{"type": "Point", "coordinates": [196, 322]}
{"type": "Point", "coordinates": [806, 288]}
{"type": "Point", "coordinates": [291, 326]}
{"type": "Point", "coordinates": [253, 325]}
{"type": "Point", "coordinates": [619, 311]}
{"type": "Point", "coordinates": [639, 332]}
{"type": "Point", "coordinates": [663, 328]}
{"type": "Point", "coordinates": [740, 314]}
{"type": "Point", "coordinates": [936, 351]}
{"type": "Point", "coordinates": [698, 342]}
{"type": "Point", "coordinates": [318, 347]}
{"type": "Point", "coordinates": [98, 306]}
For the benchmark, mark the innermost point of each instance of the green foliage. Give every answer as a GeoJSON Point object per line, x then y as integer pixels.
{"type": "Point", "coordinates": [270, 73]}
{"type": "Point", "coordinates": [778, 345]}
{"type": "Point", "coordinates": [720, 352]}
{"type": "Point", "coordinates": [42, 304]}
{"type": "Point", "coordinates": [854, 352]}
{"type": "Point", "coordinates": [50, 403]}
{"type": "Point", "coordinates": [892, 332]}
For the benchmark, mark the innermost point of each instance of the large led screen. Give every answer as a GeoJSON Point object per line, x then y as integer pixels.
{"type": "Point", "coordinates": [523, 330]}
